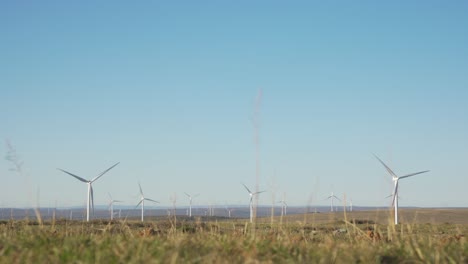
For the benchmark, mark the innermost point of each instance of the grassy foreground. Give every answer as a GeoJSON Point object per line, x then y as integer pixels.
{"type": "Point", "coordinates": [230, 241]}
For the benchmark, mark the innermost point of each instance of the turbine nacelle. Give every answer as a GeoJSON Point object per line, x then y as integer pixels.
{"type": "Point", "coordinates": [251, 194]}
{"type": "Point", "coordinates": [145, 199]}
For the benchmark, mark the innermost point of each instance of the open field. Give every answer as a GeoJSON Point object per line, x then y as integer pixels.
{"type": "Point", "coordinates": [433, 236]}
{"type": "Point", "coordinates": [407, 216]}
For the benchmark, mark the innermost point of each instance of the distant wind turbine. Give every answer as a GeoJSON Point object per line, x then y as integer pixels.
{"type": "Point", "coordinates": [190, 199]}
{"type": "Point", "coordinates": [395, 179]}
{"type": "Point", "coordinates": [284, 206]}
{"type": "Point", "coordinates": [90, 201]}
{"type": "Point", "coordinates": [332, 196]}
{"type": "Point", "coordinates": [142, 202]}
{"type": "Point", "coordinates": [229, 210]}
{"type": "Point", "coordinates": [251, 201]}
{"type": "Point", "coordinates": [111, 206]}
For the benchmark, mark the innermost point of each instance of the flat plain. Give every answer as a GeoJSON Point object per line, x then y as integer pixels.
{"type": "Point", "coordinates": [423, 236]}
{"type": "Point", "coordinates": [407, 216]}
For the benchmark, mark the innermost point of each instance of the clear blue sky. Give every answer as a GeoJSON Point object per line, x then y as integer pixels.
{"type": "Point", "coordinates": [168, 89]}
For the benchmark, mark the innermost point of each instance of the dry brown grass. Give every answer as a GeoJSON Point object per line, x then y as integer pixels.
{"type": "Point", "coordinates": [356, 237]}
{"type": "Point", "coordinates": [406, 216]}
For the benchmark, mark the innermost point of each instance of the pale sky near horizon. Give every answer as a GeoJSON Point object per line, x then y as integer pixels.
{"type": "Point", "coordinates": [168, 89]}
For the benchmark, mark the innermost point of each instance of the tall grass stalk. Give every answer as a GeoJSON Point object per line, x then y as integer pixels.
{"type": "Point", "coordinates": [17, 163]}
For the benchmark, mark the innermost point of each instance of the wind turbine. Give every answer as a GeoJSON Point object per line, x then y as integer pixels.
{"type": "Point", "coordinates": [332, 196]}
{"type": "Point", "coordinates": [90, 201]}
{"type": "Point", "coordinates": [251, 194]}
{"type": "Point", "coordinates": [229, 210]}
{"type": "Point", "coordinates": [190, 199]}
{"type": "Point", "coordinates": [395, 179]}
{"type": "Point", "coordinates": [284, 206]}
{"type": "Point", "coordinates": [111, 206]}
{"type": "Point", "coordinates": [142, 202]}
{"type": "Point", "coordinates": [211, 209]}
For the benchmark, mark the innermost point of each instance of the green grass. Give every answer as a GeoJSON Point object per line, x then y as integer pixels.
{"type": "Point", "coordinates": [230, 241]}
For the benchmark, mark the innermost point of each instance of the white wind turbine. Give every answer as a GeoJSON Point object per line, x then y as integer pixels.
{"type": "Point", "coordinates": [229, 210]}
{"type": "Point", "coordinates": [111, 206]}
{"type": "Point", "coordinates": [90, 200]}
{"type": "Point", "coordinates": [251, 194]}
{"type": "Point", "coordinates": [332, 196]}
{"type": "Point", "coordinates": [190, 199]}
{"type": "Point", "coordinates": [395, 179]}
{"type": "Point", "coordinates": [284, 206]}
{"type": "Point", "coordinates": [142, 202]}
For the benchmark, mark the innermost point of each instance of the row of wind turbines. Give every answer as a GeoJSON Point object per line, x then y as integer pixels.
{"type": "Point", "coordinates": [90, 194]}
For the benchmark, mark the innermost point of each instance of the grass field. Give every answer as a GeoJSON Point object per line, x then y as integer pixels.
{"type": "Point", "coordinates": [425, 236]}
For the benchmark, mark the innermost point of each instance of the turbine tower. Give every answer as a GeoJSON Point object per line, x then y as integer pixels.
{"type": "Point", "coordinates": [190, 199]}
{"type": "Point", "coordinates": [332, 196]}
{"type": "Point", "coordinates": [90, 200]}
{"type": "Point", "coordinates": [251, 194]}
{"type": "Point", "coordinates": [142, 202]}
{"type": "Point", "coordinates": [395, 179]}
{"type": "Point", "coordinates": [111, 206]}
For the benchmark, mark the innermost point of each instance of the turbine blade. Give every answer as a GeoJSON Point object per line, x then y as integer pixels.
{"type": "Point", "coordinates": [139, 203]}
{"type": "Point", "coordinates": [71, 174]}
{"type": "Point", "coordinates": [247, 188]}
{"type": "Point", "coordinates": [399, 197]}
{"type": "Point", "coordinates": [141, 191]}
{"type": "Point", "coordinates": [100, 175]}
{"type": "Point", "coordinates": [395, 194]}
{"type": "Point", "coordinates": [412, 174]}
{"type": "Point", "coordinates": [386, 167]}
{"type": "Point", "coordinates": [336, 198]}
{"type": "Point", "coordinates": [148, 199]}
{"type": "Point", "coordinates": [258, 192]}
{"type": "Point", "coordinates": [187, 194]}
